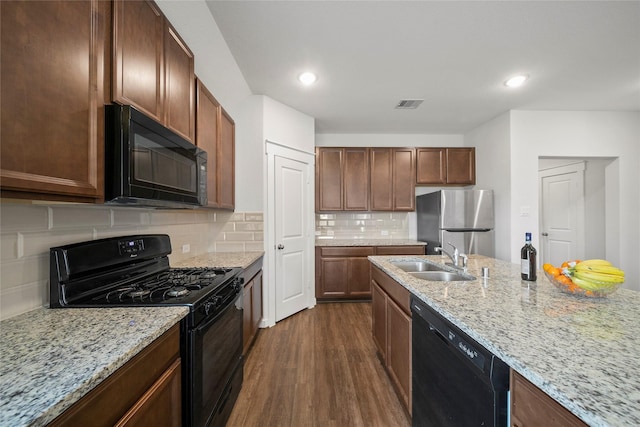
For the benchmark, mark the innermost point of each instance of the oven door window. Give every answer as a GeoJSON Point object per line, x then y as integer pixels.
{"type": "Point", "coordinates": [218, 350]}
{"type": "Point", "coordinates": [158, 162]}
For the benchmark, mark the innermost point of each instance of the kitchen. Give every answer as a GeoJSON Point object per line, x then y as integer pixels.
{"type": "Point", "coordinates": [507, 150]}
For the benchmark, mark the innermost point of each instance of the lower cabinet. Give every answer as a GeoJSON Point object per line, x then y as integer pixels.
{"type": "Point", "coordinates": [530, 406]}
{"type": "Point", "coordinates": [343, 272]}
{"type": "Point", "coordinates": [391, 325]}
{"type": "Point", "coordinates": [252, 304]}
{"type": "Point", "coordinates": [146, 391]}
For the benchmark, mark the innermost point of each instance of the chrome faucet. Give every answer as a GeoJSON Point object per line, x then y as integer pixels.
{"type": "Point", "coordinates": [455, 257]}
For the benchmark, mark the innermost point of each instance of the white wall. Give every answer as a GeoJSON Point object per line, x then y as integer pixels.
{"type": "Point", "coordinates": [286, 126]}
{"type": "Point", "coordinates": [580, 133]}
{"type": "Point", "coordinates": [493, 172]}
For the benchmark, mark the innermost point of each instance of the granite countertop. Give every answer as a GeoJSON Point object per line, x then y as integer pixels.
{"type": "Point", "coordinates": [368, 242]}
{"type": "Point", "coordinates": [580, 351]}
{"type": "Point", "coordinates": [50, 358]}
{"type": "Point", "coordinates": [221, 259]}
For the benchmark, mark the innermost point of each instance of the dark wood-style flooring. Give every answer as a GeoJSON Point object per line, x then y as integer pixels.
{"type": "Point", "coordinates": [318, 368]}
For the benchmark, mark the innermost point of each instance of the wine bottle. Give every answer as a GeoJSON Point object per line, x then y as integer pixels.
{"type": "Point", "coordinates": [528, 259]}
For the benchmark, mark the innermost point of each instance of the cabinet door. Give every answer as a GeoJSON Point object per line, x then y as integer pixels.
{"type": "Point", "coordinates": [138, 77]}
{"type": "Point", "coordinates": [329, 179]}
{"type": "Point", "coordinates": [359, 278]}
{"type": "Point", "coordinates": [381, 179]}
{"type": "Point", "coordinates": [54, 59]}
{"type": "Point", "coordinates": [226, 162]}
{"type": "Point", "coordinates": [161, 405]}
{"type": "Point", "coordinates": [247, 311]}
{"type": "Point", "coordinates": [399, 350]}
{"type": "Point", "coordinates": [179, 96]}
{"type": "Point", "coordinates": [379, 318]}
{"type": "Point", "coordinates": [356, 179]}
{"type": "Point", "coordinates": [461, 166]}
{"type": "Point", "coordinates": [207, 126]}
{"type": "Point", "coordinates": [431, 166]}
{"type": "Point", "coordinates": [256, 303]}
{"type": "Point", "coordinates": [334, 273]}
{"type": "Point", "coordinates": [530, 406]}
{"type": "Point", "coordinates": [404, 175]}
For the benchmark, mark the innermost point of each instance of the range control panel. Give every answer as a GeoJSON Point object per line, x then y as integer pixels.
{"type": "Point", "coordinates": [131, 247]}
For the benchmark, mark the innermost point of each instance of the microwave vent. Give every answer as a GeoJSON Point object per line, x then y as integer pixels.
{"type": "Point", "coordinates": [409, 104]}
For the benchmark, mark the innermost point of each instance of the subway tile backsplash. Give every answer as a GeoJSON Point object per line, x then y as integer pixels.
{"type": "Point", "coordinates": [370, 225]}
{"type": "Point", "coordinates": [27, 231]}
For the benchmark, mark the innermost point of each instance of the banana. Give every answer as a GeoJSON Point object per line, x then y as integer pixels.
{"type": "Point", "coordinates": [585, 284]}
{"type": "Point", "coordinates": [600, 269]}
{"type": "Point", "coordinates": [594, 262]}
{"type": "Point", "coordinates": [601, 279]}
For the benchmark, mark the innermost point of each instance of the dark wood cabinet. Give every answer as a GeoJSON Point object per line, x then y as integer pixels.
{"type": "Point", "coordinates": [445, 166]}
{"type": "Point", "coordinates": [179, 74]}
{"type": "Point", "coordinates": [391, 328]}
{"type": "Point", "coordinates": [531, 407]}
{"type": "Point", "coordinates": [55, 81]}
{"type": "Point", "coordinates": [392, 179]}
{"type": "Point", "coordinates": [356, 179]}
{"type": "Point", "coordinates": [342, 179]}
{"type": "Point", "coordinates": [226, 162]}
{"type": "Point", "coordinates": [146, 391]}
{"type": "Point", "coordinates": [153, 69]}
{"type": "Point", "coordinates": [252, 303]}
{"type": "Point", "coordinates": [215, 133]}
{"type": "Point", "coordinates": [343, 272]}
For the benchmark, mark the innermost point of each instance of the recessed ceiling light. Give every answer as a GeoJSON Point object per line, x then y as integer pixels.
{"type": "Point", "coordinates": [516, 81]}
{"type": "Point", "coordinates": [307, 78]}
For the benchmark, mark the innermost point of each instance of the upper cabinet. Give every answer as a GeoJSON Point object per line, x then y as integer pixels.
{"type": "Point", "coordinates": [215, 133]}
{"type": "Point", "coordinates": [342, 179]}
{"type": "Point", "coordinates": [392, 179]}
{"type": "Point", "coordinates": [446, 166]}
{"type": "Point", "coordinates": [54, 79]}
{"type": "Point", "coordinates": [153, 69]}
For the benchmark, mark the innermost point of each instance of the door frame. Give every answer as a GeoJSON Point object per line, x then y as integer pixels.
{"type": "Point", "coordinates": [578, 168]}
{"type": "Point", "coordinates": [273, 149]}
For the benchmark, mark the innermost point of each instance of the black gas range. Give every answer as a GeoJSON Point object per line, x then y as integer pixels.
{"type": "Point", "coordinates": [130, 271]}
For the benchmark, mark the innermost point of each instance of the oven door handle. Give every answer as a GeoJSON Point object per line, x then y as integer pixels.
{"type": "Point", "coordinates": [230, 302]}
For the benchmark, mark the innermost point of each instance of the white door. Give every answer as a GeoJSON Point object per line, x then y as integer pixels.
{"type": "Point", "coordinates": [562, 213]}
{"type": "Point", "coordinates": [292, 232]}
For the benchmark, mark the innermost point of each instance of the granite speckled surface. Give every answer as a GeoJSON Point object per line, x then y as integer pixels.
{"type": "Point", "coordinates": [50, 358]}
{"type": "Point", "coordinates": [368, 242]}
{"type": "Point", "coordinates": [221, 259]}
{"type": "Point", "coordinates": [583, 352]}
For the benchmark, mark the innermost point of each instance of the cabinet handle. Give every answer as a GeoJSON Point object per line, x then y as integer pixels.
{"type": "Point", "coordinates": [545, 234]}
{"type": "Point", "coordinates": [280, 246]}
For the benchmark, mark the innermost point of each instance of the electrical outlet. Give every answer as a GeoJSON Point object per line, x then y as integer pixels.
{"type": "Point", "coordinates": [186, 248]}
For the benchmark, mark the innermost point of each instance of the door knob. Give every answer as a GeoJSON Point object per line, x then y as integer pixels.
{"type": "Point", "coordinates": [280, 247]}
{"type": "Point", "coordinates": [545, 234]}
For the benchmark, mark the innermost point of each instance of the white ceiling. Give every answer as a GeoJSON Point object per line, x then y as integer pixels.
{"type": "Point", "coordinates": [581, 55]}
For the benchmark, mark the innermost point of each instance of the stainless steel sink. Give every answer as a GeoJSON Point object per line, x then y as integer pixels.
{"type": "Point", "coordinates": [416, 266]}
{"type": "Point", "coordinates": [441, 276]}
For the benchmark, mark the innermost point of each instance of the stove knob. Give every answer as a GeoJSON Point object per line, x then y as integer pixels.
{"type": "Point", "coordinates": [207, 307]}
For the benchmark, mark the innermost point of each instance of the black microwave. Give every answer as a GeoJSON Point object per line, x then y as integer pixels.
{"type": "Point", "coordinates": [147, 164]}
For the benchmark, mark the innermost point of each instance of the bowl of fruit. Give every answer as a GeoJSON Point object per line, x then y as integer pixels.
{"type": "Point", "coordinates": [590, 278]}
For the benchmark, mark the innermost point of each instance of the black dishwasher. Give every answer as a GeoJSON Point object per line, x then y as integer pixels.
{"type": "Point", "coordinates": [456, 381]}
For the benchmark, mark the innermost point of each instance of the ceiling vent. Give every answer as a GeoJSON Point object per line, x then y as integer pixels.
{"type": "Point", "coordinates": [409, 104]}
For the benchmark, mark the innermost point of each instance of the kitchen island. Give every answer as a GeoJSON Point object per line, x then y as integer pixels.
{"type": "Point", "coordinates": [580, 351]}
{"type": "Point", "coordinates": [51, 358]}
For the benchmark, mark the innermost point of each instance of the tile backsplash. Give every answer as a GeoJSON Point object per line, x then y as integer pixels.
{"type": "Point", "coordinates": [27, 231]}
{"type": "Point", "coordinates": [362, 225]}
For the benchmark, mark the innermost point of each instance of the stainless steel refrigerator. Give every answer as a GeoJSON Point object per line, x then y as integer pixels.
{"type": "Point", "coordinates": [461, 217]}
